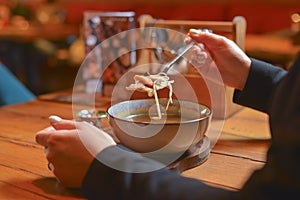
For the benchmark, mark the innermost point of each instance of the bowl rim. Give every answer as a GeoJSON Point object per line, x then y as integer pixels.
{"type": "Point", "coordinates": [208, 115]}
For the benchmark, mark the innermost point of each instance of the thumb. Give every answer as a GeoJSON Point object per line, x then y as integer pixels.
{"type": "Point", "coordinates": [210, 40]}
{"type": "Point", "coordinates": [59, 123]}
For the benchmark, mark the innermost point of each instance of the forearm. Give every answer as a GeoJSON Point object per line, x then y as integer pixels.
{"type": "Point", "coordinates": [261, 83]}
{"type": "Point", "coordinates": [103, 182]}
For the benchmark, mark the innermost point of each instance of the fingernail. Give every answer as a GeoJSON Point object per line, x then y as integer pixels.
{"type": "Point", "coordinates": [195, 31]}
{"type": "Point", "coordinates": [54, 119]}
{"type": "Point", "coordinates": [46, 150]}
{"type": "Point", "coordinates": [51, 167]}
{"type": "Point", "coordinates": [50, 129]}
{"type": "Point", "coordinates": [187, 39]}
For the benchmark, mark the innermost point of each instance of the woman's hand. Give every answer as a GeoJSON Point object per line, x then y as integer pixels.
{"type": "Point", "coordinates": [231, 61]}
{"type": "Point", "coordinates": [71, 147]}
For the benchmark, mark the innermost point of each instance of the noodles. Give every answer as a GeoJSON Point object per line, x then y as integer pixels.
{"type": "Point", "coordinates": [151, 84]}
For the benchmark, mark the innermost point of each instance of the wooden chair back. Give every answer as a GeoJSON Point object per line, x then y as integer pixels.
{"type": "Point", "coordinates": [235, 29]}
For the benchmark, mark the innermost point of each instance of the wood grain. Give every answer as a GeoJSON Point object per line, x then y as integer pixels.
{"type": "Point", "coordinates": [240, 150]}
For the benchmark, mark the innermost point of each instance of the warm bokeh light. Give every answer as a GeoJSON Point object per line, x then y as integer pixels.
{"type": "Point", "coordinates": [295, 17]}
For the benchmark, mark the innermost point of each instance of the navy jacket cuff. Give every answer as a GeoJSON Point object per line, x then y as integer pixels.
{"type": "Point", "coordinates": [260, 85]}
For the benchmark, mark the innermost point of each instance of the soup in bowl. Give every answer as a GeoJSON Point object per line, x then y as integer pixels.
{"type": "Point", "coordinates": [136, 125]}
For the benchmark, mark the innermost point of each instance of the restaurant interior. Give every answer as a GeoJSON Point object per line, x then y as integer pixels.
{"type": "Point", "coordinates": [49, 47]}
{"type": "Point", "coordinates": [42, 41]}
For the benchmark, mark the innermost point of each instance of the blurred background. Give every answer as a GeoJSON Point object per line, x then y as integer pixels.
{"type": "Point", "coordinates": [41, 40]}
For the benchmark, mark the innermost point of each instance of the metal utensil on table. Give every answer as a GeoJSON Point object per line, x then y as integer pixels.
{"type": "Point", "coordinates": [168, 65]}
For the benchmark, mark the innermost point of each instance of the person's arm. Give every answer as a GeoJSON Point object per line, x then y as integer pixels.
{"type": "Point", "coordinates": [253, 80]}
{"type": "Point", "coordinates": [279, 177]}
{"type": "Point", "coordinates": [72, 149]}
{"type": "Point", "coordinates": [262, 80]}
{"type": "Point", "coordinates": [106, 182]}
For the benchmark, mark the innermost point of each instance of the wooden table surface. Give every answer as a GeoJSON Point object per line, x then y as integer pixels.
{"type": "Point", "coordinates": [277, 49]}
{"type": "Point", "coordinates": [241, 149]}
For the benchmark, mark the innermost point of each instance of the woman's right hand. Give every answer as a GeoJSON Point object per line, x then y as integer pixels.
{"type": "Point", "coordinates": [233, 64]}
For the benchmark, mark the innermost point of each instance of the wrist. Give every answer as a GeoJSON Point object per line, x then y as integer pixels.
{"type": "Point", "coordinates": [244, 73]}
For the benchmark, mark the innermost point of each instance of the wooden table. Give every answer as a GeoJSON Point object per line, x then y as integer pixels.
{"type": "Point", "coordinates": [274, 48]}
{"type": "Point", "coordinates": [23, 167]}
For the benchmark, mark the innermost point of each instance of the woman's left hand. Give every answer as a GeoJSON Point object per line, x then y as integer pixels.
{"type": "Point", "coordinates": [71, 147]}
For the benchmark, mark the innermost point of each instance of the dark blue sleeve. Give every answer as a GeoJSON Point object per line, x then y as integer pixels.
{"type": "Point", "coordinates": [261, 83]}
{"type": "Point", "coordinates": [104, 182]}
{"type": "Point", "coordinates": [279, 178]}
